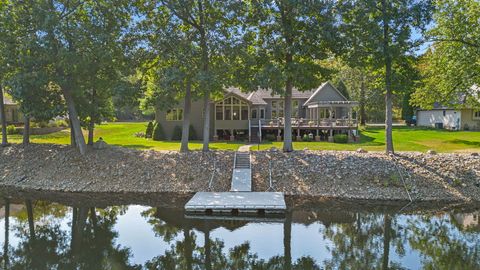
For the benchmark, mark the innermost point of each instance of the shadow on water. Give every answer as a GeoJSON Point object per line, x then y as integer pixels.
{"type": "Point", "coordinates": [151, 231]}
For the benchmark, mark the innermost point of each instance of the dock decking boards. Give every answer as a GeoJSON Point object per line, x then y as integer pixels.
{"type": "Point", "coordinates": [241, 201]}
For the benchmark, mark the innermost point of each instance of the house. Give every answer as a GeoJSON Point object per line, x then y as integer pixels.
{"type": "Point", "coordinates": [320, 113]}
{"type": "Point", "coordinates": [12, 111]}
{"type": "Point", "coordinates": [440, 116]}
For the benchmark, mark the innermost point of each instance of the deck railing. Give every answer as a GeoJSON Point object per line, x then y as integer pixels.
{"type": "Point", "coordinates": [314, 123]}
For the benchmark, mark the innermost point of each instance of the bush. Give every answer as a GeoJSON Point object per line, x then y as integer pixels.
{"type": "Point", "coordinates": [61, 123]}
{"type": "Point", "coordinates": [340, 138]}
{"type": "Point", "coordinates": [11, 129]}
{"type": "Point", "coordinates": [42, 124]}
{"type": "Point", "coordinates": [177, 133]}
{"type": "Point", "coordinates": [139, 134]}
{"type": "Point", "coordinates": [306, 138]}
{"type": "Point", "coordinates": [149, 131]}
{"type": "Point", "coordinates": [192, 134]}
{"type": "Point", "coordinates": [158, 134]}
{"type": "Point", "coordinates": [270, 137]}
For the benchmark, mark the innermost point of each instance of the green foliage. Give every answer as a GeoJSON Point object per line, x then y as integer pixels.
{"type": "Point", "coordinates": [270, 137]}
{"type": "Point", "coordinates": [450, 67]}
{"type": "Point", "coordinates": [177, 133]}
{"type": "Point", "coordinates": [158, 133]}
{"type": "Point", "coordinates": [192, 134]}
{"type": "Point", "coordinates": [149, 130]}
{"type": "Point", "coordinates": [340, 138]}
{"type": "Point", "coordinates": [11, 129]}
{"type": "Point", "coordinates": [61, 123]}
{"type": "Point", "coordinates": [306, 138]}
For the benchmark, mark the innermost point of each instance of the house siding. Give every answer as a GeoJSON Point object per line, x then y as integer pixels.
{"type": "Point", "coordinates": [468, 122]}
{"type": "Point", "coordinates": [447, 117]}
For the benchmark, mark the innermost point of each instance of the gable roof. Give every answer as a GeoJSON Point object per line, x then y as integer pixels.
{"type": "Point", "coordinates": [258, 97]}
{"type": "Point", "coordinates": [322, 88]}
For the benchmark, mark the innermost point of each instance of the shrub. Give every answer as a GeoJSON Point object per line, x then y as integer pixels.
{"type": "Point", "coordinates": [192, 134]}
{"type": "Point", "coordinates": [42, 124]}
{"type": "Point", "coordinates": [306, 138]}
{"type": "Point", "coordinates": [149, 131]}
{"type": "Point", "coordinates": [270, 137]}
{"type": "Point", "coordinates": [177, 133]}
{"type": "Point", "coordinates": [158, 134]}
{"type": "Point", "coordinates": [340, 138]}
{"type": "Point", "coordinates": [61, 123]}
{"type": "Point", "coordinates": [11, 129]}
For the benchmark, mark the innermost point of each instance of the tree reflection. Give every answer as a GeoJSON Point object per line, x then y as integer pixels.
{"type": "Point", "coordinates": [90, 244]}
{"type": "Point", "coordinates": [186, 254]}
{"type": "Point", "coordinates": [442, 245]}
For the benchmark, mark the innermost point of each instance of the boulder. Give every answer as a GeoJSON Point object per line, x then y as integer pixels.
{"type": "Point", "coordinates": [431, 152]}
{"type": "Point", "coordinates": [361, 150]}
{"type": "Point", "coordinates": [100, 144]}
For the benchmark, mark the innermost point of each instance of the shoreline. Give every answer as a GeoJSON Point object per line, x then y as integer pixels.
{"type": "Point", "coordinates": [319, 174]}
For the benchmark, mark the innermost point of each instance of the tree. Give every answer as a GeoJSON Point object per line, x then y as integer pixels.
{"type": "Point", "coordinates": [381, 33]}
{"type": "Point", "coordinates": [451, 65]}
{"type": "Point", "coordinates": [283, 41]}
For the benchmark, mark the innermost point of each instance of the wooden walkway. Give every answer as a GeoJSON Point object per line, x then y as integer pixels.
{"type": "Point", "coordinates": [240, 199]}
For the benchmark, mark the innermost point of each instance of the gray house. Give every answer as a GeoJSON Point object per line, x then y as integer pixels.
{"type": "Point", "coordinates": [320, 113]}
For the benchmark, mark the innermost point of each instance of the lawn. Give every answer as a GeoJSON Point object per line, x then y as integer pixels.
{"type": "Point", "coordinates": [372, 139]}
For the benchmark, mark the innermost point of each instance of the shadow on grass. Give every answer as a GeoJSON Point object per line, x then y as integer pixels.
{"type": "Point", "coordinates": [465, 142]}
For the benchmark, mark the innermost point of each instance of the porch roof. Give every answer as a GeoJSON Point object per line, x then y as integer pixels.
{"type": "Point", "coordinates": [343, 103]}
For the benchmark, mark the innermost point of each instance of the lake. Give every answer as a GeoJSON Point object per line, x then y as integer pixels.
{"type": "Point", "coordinates": [101, 231]}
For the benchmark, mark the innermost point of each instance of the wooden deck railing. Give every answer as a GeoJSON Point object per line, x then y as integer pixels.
{"type": "Point", "coordinates": [313, 123]}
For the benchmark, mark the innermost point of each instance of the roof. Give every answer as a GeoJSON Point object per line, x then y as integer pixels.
{"type": "Point", "coordinates": [258, 97]}
{"type": "Point", "coordinates": [8, 101]}
{"type": "Point", "coordinates": [321, 88]}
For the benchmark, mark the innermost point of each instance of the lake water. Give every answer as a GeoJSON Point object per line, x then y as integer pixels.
{"type": "Point", "coordinates": [135, 233]}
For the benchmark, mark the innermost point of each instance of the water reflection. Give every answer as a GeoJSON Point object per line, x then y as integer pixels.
{"type": "Point", "coordinates": [44, 235]}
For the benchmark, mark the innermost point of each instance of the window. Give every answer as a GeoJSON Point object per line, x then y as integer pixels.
{"type": "Point", "coordinates": [277, 108]}
{"type": "Point", "coordinates": [231, 108]}
{"type": "Point", "coordinates": [174, 115]}
{"type": "Point", "coordinates": [218, 112]}
{"type": "Point", "coordinates": [262, 113]}
{"type": "Point", "coordinates": [254, 113]}
{"type": "Point", "coordinates": [476, 115]}
{"type": "Point", "coordinates": [324, 113]}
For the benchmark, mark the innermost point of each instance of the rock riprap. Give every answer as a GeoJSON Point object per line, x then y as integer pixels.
{"type": "Point", "coordinates": [355, 175]}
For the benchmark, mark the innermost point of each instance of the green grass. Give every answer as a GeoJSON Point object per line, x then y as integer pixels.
{"type": "Point", "coordinates": [404, 138]}
{"type": "Point", "coordinates": [122, 134]}
{"type": "Point", "coordinates": [372, 139]}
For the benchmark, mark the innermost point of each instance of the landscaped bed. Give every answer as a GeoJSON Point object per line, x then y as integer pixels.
{"type": "Point", "coordinates": [442, 177]}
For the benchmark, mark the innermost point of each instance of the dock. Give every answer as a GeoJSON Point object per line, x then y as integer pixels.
{"type": "Point", "coordinates": [240, 199]}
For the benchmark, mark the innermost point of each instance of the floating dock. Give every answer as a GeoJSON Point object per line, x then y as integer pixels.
{"type": "Point", "coordinates": [240, 199]}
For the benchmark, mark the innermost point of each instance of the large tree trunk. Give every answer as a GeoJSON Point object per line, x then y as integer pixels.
{"type": "Point", "coordinates": [387, 224]}
{"type": "Point", "coordinates": [186, 117]}
{"type": "Point", "coordinates": [3, 119]}
{"type": "Point", "coordinates": [287, 135]}
{"type": "Point", "coordinates": [206, 122]}
{"type": "Point", "coordinates": [93, 117]}
{"type": "Point", "coordinates": [72, 133]}
{"type": "Point", "coordinates": [388, 81]}
{"type": "Point", "coordinates": [363, 114]}
{"type": "Point", "coordinates": [91, 127]}
{"type": "Point", "coordinates": [26, 131]}
{"type": "Point", "coordinates": [31, 223]}
{"type": "Point", "coordinates": [7, 234]}
{"type": "Point", "coordinates": [75, 122]}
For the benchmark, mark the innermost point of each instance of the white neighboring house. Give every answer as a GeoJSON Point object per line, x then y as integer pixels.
{"type": "Point", "coordinates": [449, 118]}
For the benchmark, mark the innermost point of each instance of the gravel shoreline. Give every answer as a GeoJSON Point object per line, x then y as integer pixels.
{"type": "Point", "coordinates": [332, 174]}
